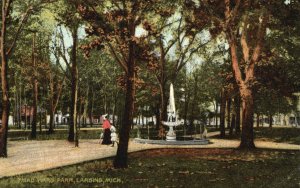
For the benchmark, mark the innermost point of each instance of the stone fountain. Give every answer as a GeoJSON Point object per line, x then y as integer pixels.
{"type": "Point", "coordinates": [172, 117]}
{"type": "Point", "coordinates": [172, 122]}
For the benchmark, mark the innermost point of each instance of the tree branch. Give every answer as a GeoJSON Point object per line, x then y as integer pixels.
{"type": "Point", "coordinates": [178, 34]}
{"type": "Point", "coordinates": [230, 15]}
{"type": "Point", "coordinates": [59, 89]}
{"type": "Point", "coordinates": [244, 43]}
{"type": "Point", "coordinates": [65, 60]}
{"type": "Point", "coordinates": [170, 46]}
{"type": "Point", "coordinates": [24, 19]}
{"type": "Point", "coordinates": [62, 40]}
{"type": "Point", "coordinates": [235, 61]}
{"type": "Point", "coordinates": [232, 43]}
{"type": "Point", "coordinates": [166, 25]}
{"type": "Point", "coordinates": [16, 36]}
{"type": "Point", "coordinates": [7, 7]}
{"type": "Point", "coordinates": [183, 63]}
{"type": "Point", "coordinates": [113, 52]}
{"type": "Point", "coordinates": [257, 50]}
{"type": "Point", "coordinates": [183, 54]}
{"type": "Point", "coordinates": [120, 49]}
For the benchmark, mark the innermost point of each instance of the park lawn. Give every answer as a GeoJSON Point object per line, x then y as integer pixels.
{"type": "Point", "coordinates": [176, 168]}
{"type": "Point", "coordinates": [62, 134]}
{"type": "Point", "coordinates": [289, 135]}
{"type": "Point", "coordinates": [59, 134]}
{"type": "Point", "coordinates": [279, 134]}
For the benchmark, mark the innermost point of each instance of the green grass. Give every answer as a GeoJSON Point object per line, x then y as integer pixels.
{"type": "Point", "coordinates": [62, 134]}
{"type": "Point", "coordinates": [176, 168]}
{"type": "Point", "coordinates": [276, 134]}
{"type": "Point", "coordinates": [57, 135]}
{"type": "Point", "coordinates": [279, 134]}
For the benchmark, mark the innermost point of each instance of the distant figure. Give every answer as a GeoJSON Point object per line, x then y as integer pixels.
{"type": "Point", "coordinates": [114, 136]}
{"type": "Point", "coordinates": [101, 137]}
{"type": "Point", "coordinates": [106, 126]}
{"type": "Point", "coordinates": [204, 134]}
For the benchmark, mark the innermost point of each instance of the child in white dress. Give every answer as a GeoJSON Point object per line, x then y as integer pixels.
{"type": "Point", "coordinates": [113, 135]}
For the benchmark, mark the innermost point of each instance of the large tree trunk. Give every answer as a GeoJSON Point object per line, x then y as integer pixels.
{"type": "Point", "coordinates": [216, 114]}
{"type": "Point", "coordinates": [186, 106]}
{"type": "Point", "coordinates": [193, 105]}
{"type": "Point", "coordinates": [247, 137]}
{"type": "Point", "coordinates": [163, 109]}
{"type": "Point", "coordinates": [72, 122]}
{"type": "Point", "coordinates": [74, 85]}
{"type": "Point", "coordinates": [19, 108]}
{"type": "Point", "coordinates": [222, 113]}
{"type": "Point", "coordinates": [51, 122]}
{"type": "Point", "coordinates": [121, 157]}
{"type": "Point", "coordinates": [35, 92]}
{"type": "Point", "coordinates": [270, 121]}
{"type": "Point", "coordinates": [232, 124]}
{"type": "Point", "coordinates": [5, 102]}
{"type": "Point", "coordinates": [84, 116]}
{"type": "Point", "coordinates": [25, 123]}
{"type": "Point", "coordinates": [4, 86]}
{"type": "Point", "coordinates": [15, 109]}
{"type": "Point", "coordinates": [92, 108]}
{"type": "Point", "coordinates": [34, 114]}
{"type": "Point", "coordinates": [73, 132]}
{"type": "Point", "coordinates": [257, 119]}
{"type": "Point", "coordinates": [228, 110]}
{"type": "Point", "coordinates": [157, 116]}
{"type": "Point", "coordinates": [51, 109]}
{"type": "Point", "coordinates": [237, 108]}
{"type": "Point", "coordinates": [244, 79]}
{"type": "Point", "coordinates": [40, 122]}
{"type": "Point", "coordinates": [79, 113]}
{"type": "Point", "coordinates": [114, 109]}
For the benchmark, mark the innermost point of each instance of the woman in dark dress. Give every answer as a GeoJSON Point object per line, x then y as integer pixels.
{"type": "Point", "coordinates": [106, 126]}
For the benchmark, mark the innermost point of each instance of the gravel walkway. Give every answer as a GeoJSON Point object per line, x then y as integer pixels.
{"type": "Point", "coordinates": [31, 156]}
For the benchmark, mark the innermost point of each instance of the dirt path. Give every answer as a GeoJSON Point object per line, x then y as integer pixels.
{"type": "Point", "coordinates": [32, 156]}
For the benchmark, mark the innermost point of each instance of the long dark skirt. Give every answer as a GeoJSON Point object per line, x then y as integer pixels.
{"type": "Point", "coordinates": [106, 137]}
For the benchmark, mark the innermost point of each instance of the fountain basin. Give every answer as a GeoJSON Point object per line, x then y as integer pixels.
{"type": "Point", "coordinates": [171, 138]}
{"type": "Point", "coordinates": [171, 124]}
{"type": "Point", "coordinates": [171, 135]}
{"type": "Point", "coordinates": [175, 142]}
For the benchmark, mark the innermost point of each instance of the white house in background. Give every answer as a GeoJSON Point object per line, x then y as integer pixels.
{"type": "Point", "coordinates": [294, 117]}
{"type": "Point", "coordinates": [10, 120]}
{"type": "Point", "coordinates": [59, 118]}
{"type": "Point", "coordinates": [141, 120]}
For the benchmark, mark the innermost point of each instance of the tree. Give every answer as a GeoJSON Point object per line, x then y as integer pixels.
{"type": "Point", "coordinates": [35, 88]}
{"type": "Point", "coordinates": [175, 44]}
{"type": "Point", "coordinates": [56, 83]}
{"type": "Point", "coordinates": [247, 138]}
{"type": "Point", "coordinates": [277, 74]}
{"type": "Point", "coordinates": [7, 46]}
{"type": "Point", "coordinates": [246, 22]}
{"type": "Point", "coordinates": [115, 29]}
{"type": "Point", "coordinates": [66, 17]}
